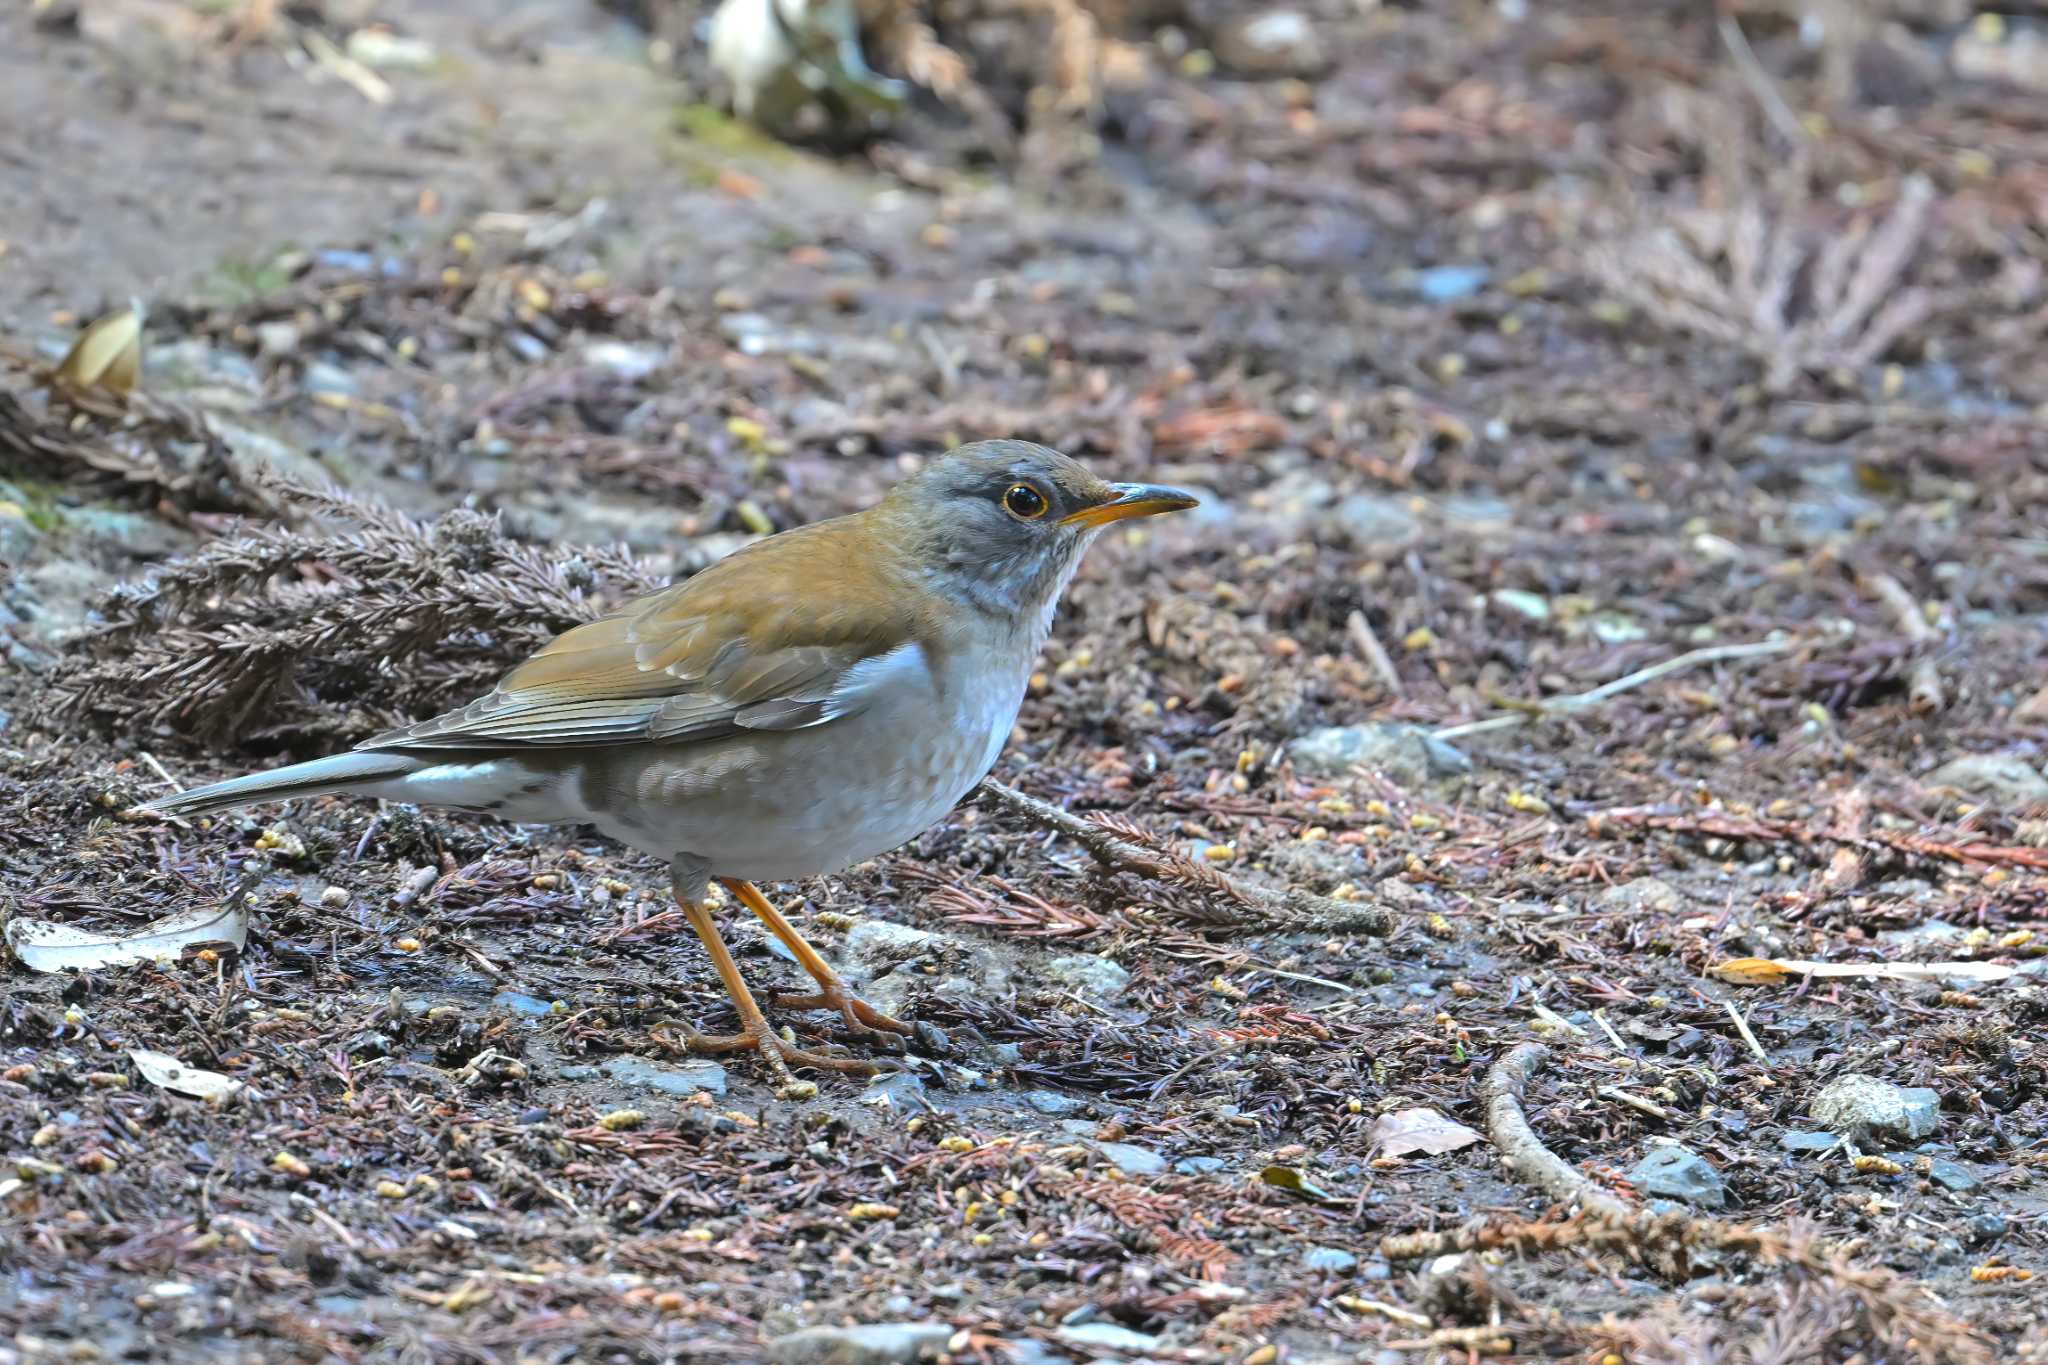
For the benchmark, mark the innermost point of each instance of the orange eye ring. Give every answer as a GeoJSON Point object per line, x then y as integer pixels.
{"type": "Point", "coordinates": [1024, 502]}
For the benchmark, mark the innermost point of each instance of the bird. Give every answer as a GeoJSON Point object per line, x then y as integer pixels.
{"type": "Point", "coordinates": [813, 700]}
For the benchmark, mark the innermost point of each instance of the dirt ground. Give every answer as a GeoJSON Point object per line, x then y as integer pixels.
{"type": "Point", "coordinates": [1514, 353]}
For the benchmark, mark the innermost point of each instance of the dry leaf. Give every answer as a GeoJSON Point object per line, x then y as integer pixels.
{"type": "Point", "coordinates": [107, 355]}
{"type": "Point", "coordinates": [160, 1068]}
{"type": "Point", "coordinates": [1292, 1180]}
{"type": "Point", "coordinates": [1419, 1130]}
{"type": "Point", "coordinates": [46, 947]}
{"type": "Point", "coordinates": [1763, 971]}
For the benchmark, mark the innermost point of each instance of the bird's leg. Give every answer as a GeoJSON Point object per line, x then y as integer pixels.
{"type": "Point", "coordinates": [861, 1017]}
{"type": "Point", "coordinates": [754, 1031]}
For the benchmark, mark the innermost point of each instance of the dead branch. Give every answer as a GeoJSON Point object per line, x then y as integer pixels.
{"type": "Point", "coordinates": [1560, 706]}
{"type": "Point", "coordinates": [1291, 909]}
{"type": "Point", "coordinates": [1524, 1152]}
{"type": "Point", "coordinates": [1923, 685]}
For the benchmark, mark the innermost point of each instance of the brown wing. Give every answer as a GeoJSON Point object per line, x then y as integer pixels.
{"type": "Point", "coordinates": [750, 643]}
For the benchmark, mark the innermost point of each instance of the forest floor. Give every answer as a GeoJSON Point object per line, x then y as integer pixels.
{"type": "Point", "coordinates": [1513, 356]}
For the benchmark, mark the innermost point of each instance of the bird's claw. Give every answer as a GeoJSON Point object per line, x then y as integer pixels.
{"type": "Point", "coordinates": [778, 1052]}
{"type": "Point", "coordinates": [862, 1019]}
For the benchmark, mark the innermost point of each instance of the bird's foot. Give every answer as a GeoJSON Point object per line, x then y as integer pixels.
{"type": "Point", "coordinates": [779, 1053]}
{"type": "Point", "coordinates": [862, 1019]}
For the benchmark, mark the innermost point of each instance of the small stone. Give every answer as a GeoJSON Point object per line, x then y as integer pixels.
{"type": "Point", "coordinates": [2011, 782]}
{"type": "Point", "coordinates": [1407, 754]}
{"type": "Point", "coordinates": [1809, 1142]}
{"type": "Point", "coordinates": [1532, 606]}
{"type": "Point", "coordinates": [1089, 975]}
{"type": "Point", "coordinates": [1329, 1260]}
{"type": "Point", "coordinates": [1051, 1102]}
{"type": "Point", "coordinates": [667, 1078]}
{"type": "Point", "coordinates": [1449, 283]}
{"type": "Point", "coordinates": [1198, 1165]}
{"type": "Point", "coordinates": [878, 1343]}
{"type": "Point", "coordinates": [1871, 1111]}
{"type": "Point", "coordinates": [1980, 1228]}
{"type": "Point", "coordinates": [1132, 1160]}
{"type": "Point", "coordinates": [1951, 1176]}
{"type": "Point", "coordinates": [1375, 519]}
{"type": "Point", "coordinates": [1107, 1336]}
{"type": "Point", "coordinates": [1274, 42]}
{"type": "Point", "coordinates": [1647, 895]}
{"type": "Point", "coordinates": [1673, 1172]}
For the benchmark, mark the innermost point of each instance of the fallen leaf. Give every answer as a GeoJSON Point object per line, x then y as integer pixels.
{"type": "Point", "coordinates": [1419, 1130]}
{"type": "Point", "coordinates": [1763, 971]}
{"type": "Point", "coordinates": [107, 355]}
{"type": "Point", "coordinates": [46, 947]}
{"type": "Point", "coordinates": [1292, 1180]}
{"type": "Point", "coordinates": [160, 1068]}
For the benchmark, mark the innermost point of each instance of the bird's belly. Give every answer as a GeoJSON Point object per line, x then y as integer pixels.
{"type": "Point", "coordinates": [781, 805]}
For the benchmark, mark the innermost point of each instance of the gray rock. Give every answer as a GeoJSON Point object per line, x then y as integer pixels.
{"type": "Point", "coordinates": [1132, 1160]}
{"type": "Point", "coordinates": [2009, 781]}
{"type": "Point", "coordinates": [1980, 1228]}
{"type": "Point", "coordinates": [1405, 753]}
{"type": "Point", "coordinates": [1373, 519]}
{"type": "Point", "coordinates": [878, 1343]}
{"type": "Point", "coordinates": [1089, 975]}
{"type": "Point", "coordinates": [1274, 42]}
{"type": "Point", "coordinates": [1531, 606]}
{"type": "Point", "coordinates": [1051, 1102]}
{"type": "Point", "coordinates": [1809, 1142]}
{"type": "Point", "coordinates": [1329, 1260]}
{"type": "Point", "coordinates": [1449, 283]}
{"type": "Point", "coordinates": [1951, 1176]}
{"type": "Point", "coordinates": [1871, 1112]}
{"type": "Point", "coordinates": [1198, 1165]}
{"type": "Point", "coordinates": [666, 1078]}
{"type": "Point", "coordinates": [1653, 895]}
{"type": "Point", "coordinates": [1676, 1173]}
{"type": "Point", "coordinates": [1107, 1336]}
{"type": "Point", "coordinates": [18, 534]}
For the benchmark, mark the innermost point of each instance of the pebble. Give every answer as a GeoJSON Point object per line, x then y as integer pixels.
{"type": "Point", "coordinates": [667, 1078]}
{"type": "Point", "coordinates": [1051, 1102]}
{"type": "Point", "coordinates": [1107, 1336]}
{"type": "Point", "coordinates": [1406, 754]}
{"type": "Point", "coordinates": [1951, 1176]}
{"type": "Point", "coordinates": [2009, 781]}
{"type": "Point", "coordinates": [1133, 1160]}
{"type": "Point", "coordinates": [1809, 1141]}
{"type": "Point", "coordinates": [1198, 1165]}
{"type": "Point", "coordinates": [1674, 1172]}
{"type": "Point", "coordinates": [1089, 975]}
{"type": "Point", "coordinates": [1980, 1228]}
{"type": "Point", "coordinates": [1329, 1260]}
{"type": "Point", "coordinates": [879, 1343]}
{"type": "Point", "coordinates": [1872, 1111]}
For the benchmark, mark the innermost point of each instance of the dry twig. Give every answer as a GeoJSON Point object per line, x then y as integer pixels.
{"type": "Point", "coordinates": [1116, 849]}
{"type": "Point", "coordinates": [1580, 701]}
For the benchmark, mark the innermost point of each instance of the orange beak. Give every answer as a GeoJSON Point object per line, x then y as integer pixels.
{"type": "Point", "coordinates": [1131, 500]}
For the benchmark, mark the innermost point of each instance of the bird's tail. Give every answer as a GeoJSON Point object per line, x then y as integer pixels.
{"type": "Point", "coordinates": [356, 771]}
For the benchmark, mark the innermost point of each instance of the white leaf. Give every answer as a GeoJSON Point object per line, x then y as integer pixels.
{"type": "Point", "coordinates": [1419, 1130]}
{"type": "Point", "coordinates": [160, 1068]}
{"type": "Point", "coordinates": [46, 947]}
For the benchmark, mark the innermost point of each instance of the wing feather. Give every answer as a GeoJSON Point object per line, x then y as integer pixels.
{"type": "Point", "coordinates": [744, 645]}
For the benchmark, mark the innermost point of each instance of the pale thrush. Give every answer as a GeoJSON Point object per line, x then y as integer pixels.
{"type": "Point", "coordinates": [813, 700]}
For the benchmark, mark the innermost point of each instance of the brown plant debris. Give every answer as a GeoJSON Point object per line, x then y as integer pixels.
{"type": "Point", "coordinates": [330, 632]}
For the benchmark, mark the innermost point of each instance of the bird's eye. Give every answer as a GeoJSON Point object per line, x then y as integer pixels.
{"type": "Point", "coordinates": [1024, 502]}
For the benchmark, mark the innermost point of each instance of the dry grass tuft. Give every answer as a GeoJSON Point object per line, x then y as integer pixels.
{"type": "Point", "coordinates": [274, 632]}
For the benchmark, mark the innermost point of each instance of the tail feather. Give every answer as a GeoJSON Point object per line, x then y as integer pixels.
{"type": "Point", "coordinates": [338, 773]}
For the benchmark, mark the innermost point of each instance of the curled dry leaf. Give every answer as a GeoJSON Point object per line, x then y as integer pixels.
{"type": "Point", "coordinates": [107, 355]}
{"type": "Point", "coordinates": [46, 947]}
{"type": "Point", "coordinates": [160, 1068]}
{"type": "Point", "coordinates": [1419, 1130]}
{"type": "Point", "coordinates": [1764, 971]}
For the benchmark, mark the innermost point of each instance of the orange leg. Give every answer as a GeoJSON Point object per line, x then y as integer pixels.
{"type": "Point", "coordinates": [754, 1031]}
{"type": "Point", "coordinates": [864, 1019]}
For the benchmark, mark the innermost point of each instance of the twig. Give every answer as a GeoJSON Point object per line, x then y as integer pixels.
{"type": "Point", "coordinates": [1474, 1341]}
{"type": "Point", "coordinates": [1524, 1152]}
{"type": "Point", "coordinates": [1742, 1027]}
{"type": "Point", "coordinates": [1558, 706]}
{"type": "Point", "coordinates": [158, 768]}
{"type": "Point", "coordinates": [1368, 644]}
{"type": "Point", "coordinates": [1293, 908]}
{"type": "Point", "coordinates": [1759, 82]}
{"type": "Point", "coordinates": [1635, 1102]}
{"type": "Point", "coordinates": [1923, 682]}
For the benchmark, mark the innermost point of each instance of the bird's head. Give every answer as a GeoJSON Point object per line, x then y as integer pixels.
{"type": "Point", "coordinates": [1003, 523]}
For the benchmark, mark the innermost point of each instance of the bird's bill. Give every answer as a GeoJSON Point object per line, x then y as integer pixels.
{"type": "Point", "coordinates": [1131, 500]}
